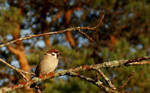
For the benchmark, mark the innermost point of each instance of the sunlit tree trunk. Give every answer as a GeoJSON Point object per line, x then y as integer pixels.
{"type": "Point", "coordinates": [47, 38]}
{"type": "Point", "coordinates": [19, 52]}
{"type": "Point", "coordinates": [18, 49]}
{"type": "Point", "coordinates": [69, 36]}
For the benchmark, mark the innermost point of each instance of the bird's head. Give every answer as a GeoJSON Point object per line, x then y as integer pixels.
{"type": "Point", "coordinates": [53, 52]}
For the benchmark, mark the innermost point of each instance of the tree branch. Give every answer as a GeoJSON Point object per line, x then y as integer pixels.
{"type": "Point", "coordinates": [97, 83]}
{"type": "Point", "coordinates": [126, 82]}
{"type": "Point", "coordinates": [77, 69]}
{"type": "Point", "coordinates": [49, 33]}
{"type": "Point", "coordinates": [16, 69]}
{"type": "Point", "coordinates": [105, 78]}
{"type": "Point", "coordinates": [86, 35]}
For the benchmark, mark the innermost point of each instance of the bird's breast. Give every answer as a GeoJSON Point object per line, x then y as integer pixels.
{"type": "Point", "coordinates": [48, 64]}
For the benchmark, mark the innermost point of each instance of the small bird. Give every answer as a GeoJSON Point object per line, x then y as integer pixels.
{"type": "Point", "coordinates": [47, 64]}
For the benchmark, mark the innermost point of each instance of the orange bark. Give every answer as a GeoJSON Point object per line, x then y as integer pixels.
{"type": "Point", "coordinates": [18, 50]}
{"type": "Point", "coordinates": [69, 36]}
{"type": "Point", "coordinates": [113, 41]}
{"type": "Point", "coordinates": [47, 39]}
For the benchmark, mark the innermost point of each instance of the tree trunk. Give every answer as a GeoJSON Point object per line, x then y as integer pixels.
{"type": "Point", "coordinates": [19, 52]}
{"type": "Point", "coordinates": [69, 36]}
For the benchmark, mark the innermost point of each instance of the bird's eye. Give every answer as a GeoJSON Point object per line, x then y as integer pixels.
{"type": "Point", "coordinates": [53, 54]}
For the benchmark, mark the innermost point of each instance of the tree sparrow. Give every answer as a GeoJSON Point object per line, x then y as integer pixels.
{"type": "Point", "coordinates": [47, 64]}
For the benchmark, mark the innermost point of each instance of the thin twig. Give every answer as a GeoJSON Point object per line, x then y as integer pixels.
{"type": "Point", "coordinates": [106, 78]}
{"type": "Point", "coordinates": [126, 82]}
{"type": "Point", "coordinates": [100, 21]}
{"type": "Point", "coordinates": [87, 36]}
{"type": "Point", "coordinates": [97, 26]}
{"type": "Point", "coordinates": [16, 69]}
{"type": "Point", "coordinates": [73, 74]}
{"type": "Point", "coordinates": [97, 83]}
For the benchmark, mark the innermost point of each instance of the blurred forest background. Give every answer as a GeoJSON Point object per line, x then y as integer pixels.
{"type": "Point", "coordinates": [124, 34]}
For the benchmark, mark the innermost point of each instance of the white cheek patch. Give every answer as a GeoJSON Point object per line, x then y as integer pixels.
{"type": "Point", "coordinates": [53, 54]}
